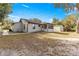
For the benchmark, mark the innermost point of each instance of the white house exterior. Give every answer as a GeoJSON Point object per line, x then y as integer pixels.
{"type": "Point", "coordinates": [32, 29]}
{"type": "Point", "coordinates": [17, 27]}
{"type": "Point", "coordinates": [27, 26]}
{"type": "Point", "coordinates": [58, 28]}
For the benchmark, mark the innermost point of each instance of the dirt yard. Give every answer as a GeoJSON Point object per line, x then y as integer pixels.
{"type": "Point", "coordinates": [40, 44]}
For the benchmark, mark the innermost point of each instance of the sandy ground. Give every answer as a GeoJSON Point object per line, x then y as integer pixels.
{"type": "Point", "coordinates": [40, 44]}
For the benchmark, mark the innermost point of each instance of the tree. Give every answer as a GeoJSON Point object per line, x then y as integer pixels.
{"type": "Point", "coordinates": [5, 9]}
{"type": "Point", "coordinates": [7, 23]}
{"type": "Point", "coordinates": [69, 22]}
{"type": "Point", "coordinates": [56, 21]}
{"type": "Point", "coordinates": [36, 20]}
{"type": "Point", "coordinates": [68, 7]}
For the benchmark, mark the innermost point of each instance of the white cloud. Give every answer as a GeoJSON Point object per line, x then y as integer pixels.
{"type": "Point", "coordinates": [25, 6]}
{"type": "Point", "coordinates": [14, 18]}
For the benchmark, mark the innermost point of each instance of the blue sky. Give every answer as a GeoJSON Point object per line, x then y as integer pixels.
{"type": "Point", "coordinates": [43, 11]}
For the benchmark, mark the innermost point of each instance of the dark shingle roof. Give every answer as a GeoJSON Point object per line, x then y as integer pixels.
{"type": "Point", "coordinates": [29, 21]}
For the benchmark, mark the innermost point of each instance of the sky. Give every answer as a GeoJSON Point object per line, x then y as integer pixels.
{"type": "Point", "coordinates": [43, 11]}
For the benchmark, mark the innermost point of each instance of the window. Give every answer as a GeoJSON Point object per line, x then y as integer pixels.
{"type": "Point", "coordinates": [38, 25]}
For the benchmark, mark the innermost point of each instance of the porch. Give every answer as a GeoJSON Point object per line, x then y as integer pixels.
{"type": "Point", "coordinates": [47, 27]}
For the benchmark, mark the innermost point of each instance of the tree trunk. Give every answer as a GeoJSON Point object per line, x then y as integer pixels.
{"type": "Point", "coordinates": [1, 31]}
{"type": "Point", "coordinates": [77, 26]}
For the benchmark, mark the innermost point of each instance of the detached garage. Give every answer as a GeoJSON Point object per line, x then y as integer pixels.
{"type": "Point", "coordinates": [58, 28]}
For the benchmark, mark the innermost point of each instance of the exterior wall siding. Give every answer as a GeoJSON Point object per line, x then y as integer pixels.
{"type": "Point", "coordinates": [50, 30]}
{"type": "Point", "coordinates": [18, 27]}
{"type": "Point", "coordinates": [25, 27]}
{"type": "Point", "coordinates": [58, 29]}
{"type": "Point", "coordinates": [31, 29]}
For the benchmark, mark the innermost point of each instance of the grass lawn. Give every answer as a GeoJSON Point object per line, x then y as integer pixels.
{"type": "Point", "coordinates": [39, 44]}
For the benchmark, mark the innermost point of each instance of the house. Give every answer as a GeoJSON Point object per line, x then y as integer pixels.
{"type": "Point", "coordinates": [58, 28]}
{"type": "Point", "coordinates": [25, 25]}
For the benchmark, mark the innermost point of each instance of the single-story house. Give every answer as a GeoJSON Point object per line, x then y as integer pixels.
{"type": "Point", "coordinates": [25, 25]}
